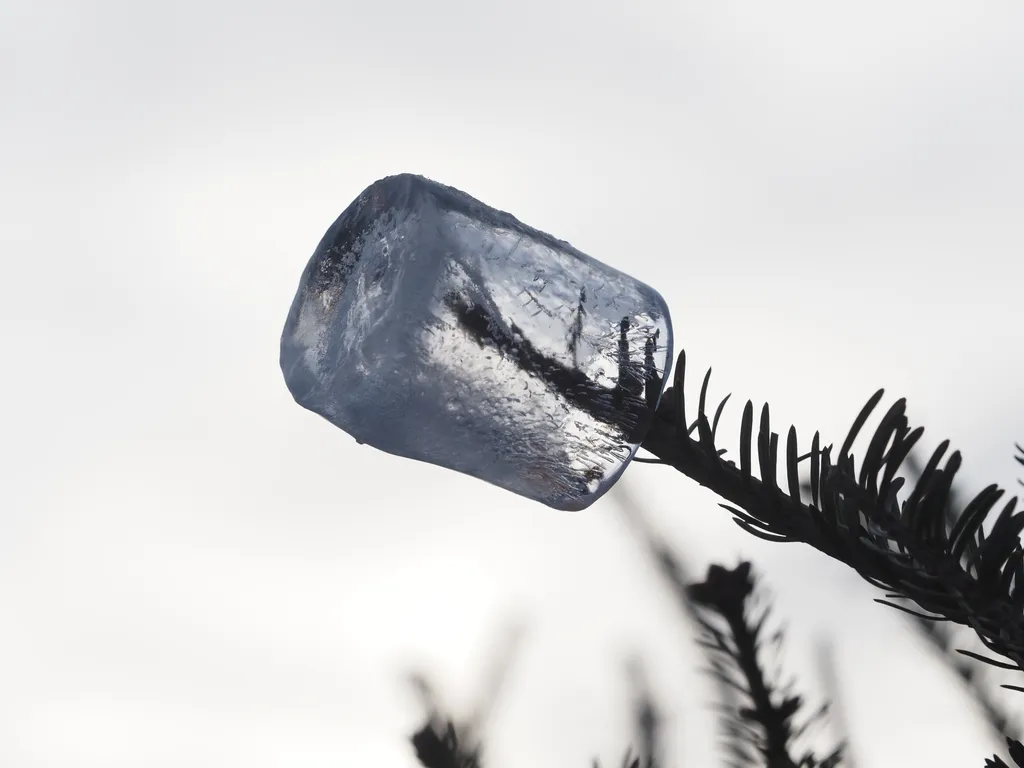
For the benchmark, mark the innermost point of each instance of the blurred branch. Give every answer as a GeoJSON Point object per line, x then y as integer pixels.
{"type": "Point", "coordinates": [734, 637]}
{"type": "Point", "coordinates": [443, 742]}
{"type": "Point", "coordinates": [726, 594]}
{"type": "Point", "coordinates": [438, 745]}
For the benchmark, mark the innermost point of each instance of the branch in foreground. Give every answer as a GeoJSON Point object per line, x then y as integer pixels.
{"type": "Point", "coordinates": [856, 517]}
{"type": "Point", "coordinates": [1016, 750]}
{"type": "Point", "coordinates": [942, 635]}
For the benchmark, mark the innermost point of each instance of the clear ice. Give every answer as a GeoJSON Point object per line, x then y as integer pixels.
{"type": "Point", "coordinates": [434, 327]}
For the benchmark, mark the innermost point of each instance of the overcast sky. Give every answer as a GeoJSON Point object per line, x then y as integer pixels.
{"type": "Point", "coordinates": [196, 571]}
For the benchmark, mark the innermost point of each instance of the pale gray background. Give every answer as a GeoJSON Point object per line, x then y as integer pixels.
{"type": "Point", "coordinates": [194, 571]}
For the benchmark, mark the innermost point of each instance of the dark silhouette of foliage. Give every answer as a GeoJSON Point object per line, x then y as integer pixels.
{"type": "Point", "coordinates": [903, 547]}
{"type": "Point", "coordinates": [1016, 750]}
{"type": "Point", "coordinates": [765, 726]}
{"type": "Point", "coordinates": [442, 742]}
{"type": "Point", "coordinates": [942, 636]}
{"type": "Point", "coordinates": [437, 745]}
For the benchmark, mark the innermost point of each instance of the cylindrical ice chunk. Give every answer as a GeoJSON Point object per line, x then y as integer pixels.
{"type": "Point", "coordinates": [434, 327]}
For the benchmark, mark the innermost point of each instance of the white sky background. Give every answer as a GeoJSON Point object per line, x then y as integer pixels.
{"type": "Point", "coordinates": [195, 571]}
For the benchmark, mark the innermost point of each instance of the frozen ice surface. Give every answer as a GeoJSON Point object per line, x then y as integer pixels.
{"type": "Point", "coordinates": [434, 327]}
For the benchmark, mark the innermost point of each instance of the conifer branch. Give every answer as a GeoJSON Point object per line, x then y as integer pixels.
{"type": "Point", "coordinates": [757, 731]}
{"type": "Point", "coordinates": [735, 636]}
{"type": "Point", "coordinates": [855, 516]}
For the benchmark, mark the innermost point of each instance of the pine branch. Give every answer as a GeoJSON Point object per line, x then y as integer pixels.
{"type": "Point", "coordinates": [942, 637]}
{"type": "Point", "coordinates": [766, 725]}
{"type": "Point", "coordinates": [855, 517]}
{"type": "Point", "coordinates": [1016, 750]}
{"type": "Point", "coordinates": [1001, 724]}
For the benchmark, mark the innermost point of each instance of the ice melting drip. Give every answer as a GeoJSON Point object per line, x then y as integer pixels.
{"type": "Point", "coordinates": [434, 327]}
